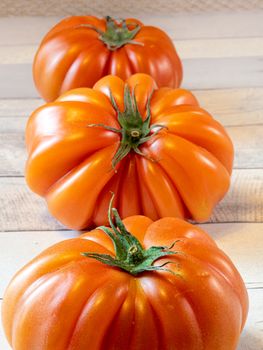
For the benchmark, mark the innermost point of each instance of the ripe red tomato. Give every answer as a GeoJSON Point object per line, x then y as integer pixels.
{"type": "Point", "coordinates": [183, 294]}
{"type": "Point", "coordinates": [80, 50]}
{"type": "Point", "coordinates": [155, 148]}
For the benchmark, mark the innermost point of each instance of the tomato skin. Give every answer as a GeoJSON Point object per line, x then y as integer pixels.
{"type": "Point", "coordinates": [70, 163]}
{"type": "Point", "coordinates": [64, 300]}
{"type": "Point", "coordinates": [72, 56]}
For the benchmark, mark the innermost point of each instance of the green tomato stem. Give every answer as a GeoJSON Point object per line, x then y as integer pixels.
{"type": "Point", "coordinates": [130, 255]}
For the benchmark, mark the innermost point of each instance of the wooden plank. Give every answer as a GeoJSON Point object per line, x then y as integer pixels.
{"type": "Point", "coordinates": [18, 30]}
{"type": "Point", "coordinates": [244, 200]}
{"type": "Point", "coordinates": [24, 30]}
{"type": "Point", "coordinates": [242, 242]}
{"type": "Point", "coordinates": [239, 106]}
{"type": "Point", "coordinates": [233, 107]}
{"type": "Point", "coordinates": [218, 48]}
{"type": "Point", "coordinates": [237, 240]}
{"type": "Point", "coordinates": [24, 246]}
{"type": "Point", "coordinates": [187, 49]}
{"type": "Point", "coordinates": [16, 81]}
{"type": "Point", "coordinates": [248, 145]}
{"type": "Point", "coordinates": [19, 107]}
{"type": "Point", "coordinates": [23, 210]}
{"type": "Point", "coordinates": [13, 154]}
{"type": "Point", "coordinates": [247, 141]}
{"type": "Point", "coordinates": [201, 73]}
{"type": "Point", "coordinates": [208, 73]}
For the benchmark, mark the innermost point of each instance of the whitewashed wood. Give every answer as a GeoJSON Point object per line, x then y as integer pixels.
{"type": "Point", "coordinates": [17, 248]}
{"type": "Point", "coordinates": [12, 155]}
{"type": "Point", "coordinates": [18, 108]}
{"type": "Point", "coordinates": [24, 30]}
{"type": "Point", "coordinates": [239, 106]}
{"type": "Point", "coordinates": [248, 145]}
{"type": "Point", "coordinates": [187, 49]}
{"type": "Point", "coordinates": [243, 202]}
{"type": "Point", "coordinates": [247, 141]}
{"type": "Point", "coordinates": [222, 73]}
{"type": "Point", "coordinates": [23, 210]}
{"type": "Point", "coordinates": [219, 48]}
{"type": "Point", "coordinates": [17, 54]}
{"type": "Point", "coordinates": [242, 242]}
{"type": "Point", "coordinates": [233, 107]}
{"type": "Point", "coordinates": [202, 73]}
{"type": "Point", "coordinates": [30, 30]}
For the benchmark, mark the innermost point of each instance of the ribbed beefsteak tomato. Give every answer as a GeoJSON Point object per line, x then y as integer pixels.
{"type": "Point", "coordinates": [156, 149]}
{"type": "Point", "coordinates": [80, 50]}
{"type": "Point", "coordinates": [176, 290]}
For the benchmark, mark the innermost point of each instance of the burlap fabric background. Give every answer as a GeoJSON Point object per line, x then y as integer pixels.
{"type": "Point", "coordinates": [115, 7]}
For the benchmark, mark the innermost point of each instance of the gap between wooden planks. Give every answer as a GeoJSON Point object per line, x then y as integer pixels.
{"type": "Point", "coordinates": [243, 203]}
{"type": "Point", "coordinates": [240, 110]}
{"type": "Point", "coordinates": [247, 141]}
{"type": "Point", "coordinates": [214, 56]}
{"type": "Point", "coordinates": [187, 49]}
{"type": "Point", "coordinates": [199, 73]}
{"type": "Point", "coordinates": [231, 107]}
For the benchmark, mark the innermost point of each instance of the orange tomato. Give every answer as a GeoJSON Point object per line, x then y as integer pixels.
{"type": "Point", "coordinates": [156, 149]}
{"type": "Point", "coordinates": [187, 296]}
{"type": "Point", "coordinates": [80, 50]}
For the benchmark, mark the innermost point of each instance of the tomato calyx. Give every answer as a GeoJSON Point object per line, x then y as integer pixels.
{"type": "Point", "coordinates": [134, 130]}
{"type": "Point", "coordinates": [130, 254]}
{"type": "Point", "coordinates": [116, 34]}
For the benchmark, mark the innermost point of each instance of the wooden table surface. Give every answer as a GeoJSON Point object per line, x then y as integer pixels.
{"type": "Point", "coordinates": [223, 63]}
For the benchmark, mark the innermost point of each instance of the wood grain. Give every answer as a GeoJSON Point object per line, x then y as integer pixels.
{"type": "Point", "coordinates": [243, 203]}
{"type": "Point", "coordinates": [211, 53]}
{"type": "Point", "coordinates": [21, 209]}
{"type": "Point", "coordinates": [200, 73]}
{"type": "Point", "coordinates": [197, 48]}
{"type": "Point", "coordinates": [233, 107]}
{"type": "Point", "coordinates": [18, 108]}
{"type": "Point", "coordinates": [240, 110]}
{"type": "Point", "coordinates": [243, 24]}
{"type": "Point", "coordinates": [247, 141]}
{"type": "Point", "coordinates": [223, 63]}
{"type": "Point", "coordinates": [244, 200]}
{"type": "Point", "coordinates": [239, 106]}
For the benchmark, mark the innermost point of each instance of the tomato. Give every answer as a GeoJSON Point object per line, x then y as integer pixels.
{"type": "Point", "coordinates": [156, 149]}
{"type": "Point", "coordinates": [168, 287]}
{"type": "Point", "coordinates": [80, 50]}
